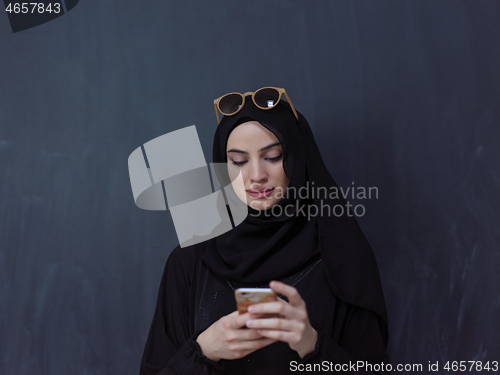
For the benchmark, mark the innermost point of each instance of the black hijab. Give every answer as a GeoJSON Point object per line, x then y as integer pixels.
{"type": "Point", "coordinates": [269, 245]}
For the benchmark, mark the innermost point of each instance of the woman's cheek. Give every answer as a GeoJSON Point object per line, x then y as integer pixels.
{"type": "Point", "coordinates": [233, 171]}
{"type": "Point", "coordinates": [239, 185]}
{"type": "Point", "coordinates": [279, 174]}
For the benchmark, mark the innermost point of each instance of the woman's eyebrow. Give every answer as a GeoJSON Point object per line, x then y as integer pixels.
{"type": "Point", "coordinates": [269, 146]}
{"type": "Point", "coordinates": [262, 149]}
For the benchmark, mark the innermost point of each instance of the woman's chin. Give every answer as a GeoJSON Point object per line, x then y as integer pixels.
{"type": "Point", "coordinates": [262, 204]}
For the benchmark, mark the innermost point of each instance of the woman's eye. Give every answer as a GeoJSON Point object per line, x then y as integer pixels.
{"type": "Point", "coordinates": [276, 158]}
{"type": "Point", "coordinates": [238, 163]}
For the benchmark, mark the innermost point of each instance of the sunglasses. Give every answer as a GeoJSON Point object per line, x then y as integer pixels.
{"type": "Point", "coordinates": [264, 98]}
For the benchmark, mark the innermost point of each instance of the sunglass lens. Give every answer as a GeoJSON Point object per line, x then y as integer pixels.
{"type": "Point", "coordinates": [230, 103]}
{"type": "Point", "coordinates": [266, 98]}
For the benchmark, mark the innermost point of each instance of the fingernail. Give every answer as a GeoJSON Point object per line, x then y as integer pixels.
{"type": "Point", "coordinates": [250, 323]}
{"type": "Point", "coordinates": [251, 308]}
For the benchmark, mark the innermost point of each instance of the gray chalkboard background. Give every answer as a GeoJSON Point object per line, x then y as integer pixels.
{"type": "Point", "coordinates": [401, 95]}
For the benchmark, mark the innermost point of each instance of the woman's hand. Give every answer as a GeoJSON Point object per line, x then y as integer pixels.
{"type": "Point", "coordinates": [228, 339]}
{"type": "Point", "coordinates": [292, 325]}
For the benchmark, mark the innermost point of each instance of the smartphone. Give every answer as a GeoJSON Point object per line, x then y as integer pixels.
{"type": "Point", "coordinates": [250, 296]}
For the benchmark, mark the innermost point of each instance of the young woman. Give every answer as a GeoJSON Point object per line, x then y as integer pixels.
{"type": "Point", "coordinates": [299, 238]}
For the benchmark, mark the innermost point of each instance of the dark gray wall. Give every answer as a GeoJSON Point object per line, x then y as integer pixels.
{"type": "Point", "coordinates": [401, 95]}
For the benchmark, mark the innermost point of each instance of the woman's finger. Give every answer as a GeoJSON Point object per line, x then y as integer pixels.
{"type": "Point", "coordinates": [292, 338]}
{"type": "Point", "coordinates": [289, 291]}
{"type": "Point", "coordinates": [246, 335]}
{"type": "Point", "coordinates": [281, 299]}
{"type": "Point", "coordinates": [275, 324]}
{"type": "Point", "coordinates": [238, 321]}
{"type": "Point", "coordinates": [280, 308]}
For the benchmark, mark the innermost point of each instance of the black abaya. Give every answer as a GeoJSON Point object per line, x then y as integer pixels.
{"type": "Point", "coordinates": [191, 298]}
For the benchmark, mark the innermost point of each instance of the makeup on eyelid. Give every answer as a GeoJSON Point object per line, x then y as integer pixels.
{"type": "Point", "coordinates": [272, 159]}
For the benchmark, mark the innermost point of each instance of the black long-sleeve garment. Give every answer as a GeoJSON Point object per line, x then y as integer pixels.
{"type": "Point", "coordinates": [191, 298]}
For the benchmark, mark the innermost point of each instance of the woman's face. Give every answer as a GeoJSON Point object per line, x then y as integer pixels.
{"type": "Point", "coordinates": [255, 151]}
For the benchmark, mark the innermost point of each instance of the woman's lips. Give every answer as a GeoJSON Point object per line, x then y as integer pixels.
{"type": "Point", "coordinates": [260, 193]}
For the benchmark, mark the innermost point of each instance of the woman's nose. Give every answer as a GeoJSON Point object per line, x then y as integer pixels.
{"type": "Point", "coordinates": [257, 172]}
